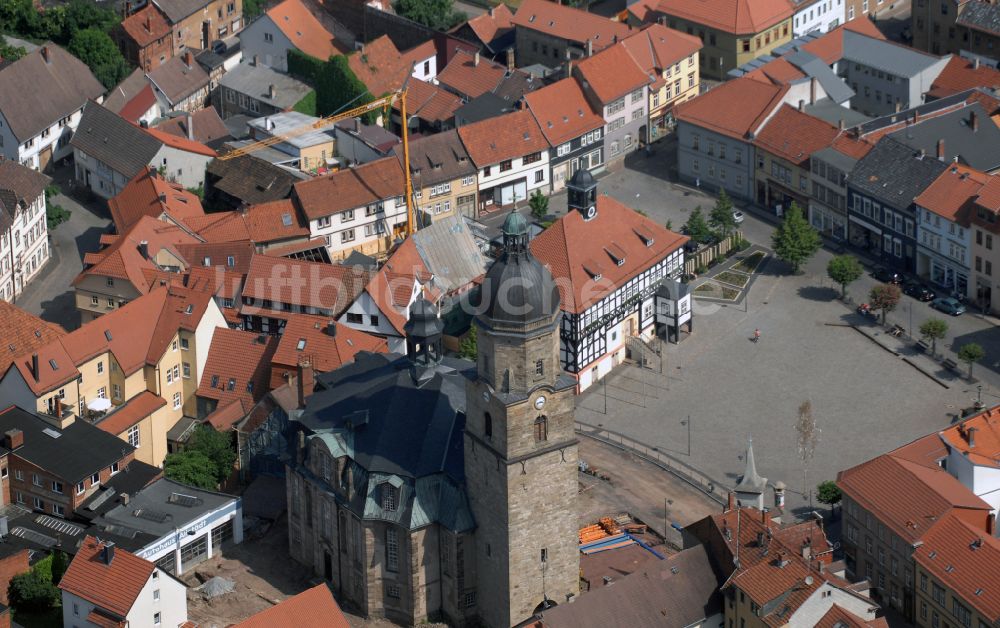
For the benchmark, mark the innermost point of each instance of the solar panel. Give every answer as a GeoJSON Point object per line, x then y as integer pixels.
{"type": "Point", "coordinates": [157, 516]}
{"type": "Point", "coordinates": [107, 334]}
{"type": "Point", "coordinates": [59, 525]}
{"type": "Point", "coordinates": [184, 500]}
{"type": "Point", "coordinates": [34, 537]}
{"type": "Point", "coordinates": [51, 433]}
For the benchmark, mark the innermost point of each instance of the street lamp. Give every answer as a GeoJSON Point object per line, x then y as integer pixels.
{"type": "Point", "coordinates": [979, 397]}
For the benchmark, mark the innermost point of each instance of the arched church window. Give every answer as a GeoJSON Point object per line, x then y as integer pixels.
{"type": "Point", "coordinates": [541, 429]}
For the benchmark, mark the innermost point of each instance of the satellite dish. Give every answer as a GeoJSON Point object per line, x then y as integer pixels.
{"type": "Point", "coordinates": [808, 581]}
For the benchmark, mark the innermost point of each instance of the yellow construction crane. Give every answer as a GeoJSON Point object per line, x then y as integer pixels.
{"type": "Point", "coordinates": [385, 103]}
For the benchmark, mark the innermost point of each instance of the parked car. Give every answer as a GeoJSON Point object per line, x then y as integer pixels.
{"type": "Point", "coordinates": [887, 276]}
{"type": "Point", "coordinates": [948, 305]}
{"type": "Point", "coordinates": [918, 291]}
{"type": "Point", "coordinates": [738, 216]}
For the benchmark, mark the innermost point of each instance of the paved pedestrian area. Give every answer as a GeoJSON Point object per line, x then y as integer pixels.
{"type": "Point", "coordinates": [866, 400]}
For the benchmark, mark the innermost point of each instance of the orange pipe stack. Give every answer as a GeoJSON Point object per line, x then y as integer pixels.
{"type": "Point", "coordinates": [592, 533]}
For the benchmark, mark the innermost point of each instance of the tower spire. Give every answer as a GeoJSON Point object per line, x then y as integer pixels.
{"type": "Point", "coordinates": [750, 490]}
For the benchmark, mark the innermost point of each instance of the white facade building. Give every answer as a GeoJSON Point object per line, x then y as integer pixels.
{"type": "Point", "coordinates": [36, 130]}
{"type": "Point", "coordinates": [24, 242]}
{"type": "Point", "coordinates": [818, 15]}
{"type": "Point", "coordinates": [943, 244]}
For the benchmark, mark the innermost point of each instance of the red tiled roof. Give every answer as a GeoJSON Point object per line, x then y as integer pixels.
{"type": "Point", "coordinates": [569, 23]}
{"type": "Point", "coordinates": [379, 66]}
{"type": "Point", "coordinates": [419, 53]}
{"type": "Point", "coordinates": [135, 409]}
{"type": "Point", "coordinates": [830, 47]}
{"type": "Point", "coordinates": [206, 124]}
{"type": "Point", "coordinates": [313, 608]}
{"type": "Point", "coordinates": [227, 414]}
{"type": "Point", "coordinates": [122, 260]}
{"type": "Point", "coordinates": [984, 430]}
{"type": "Point", "coordinates": [953, 193]}
{"type": "Point", "coordinates": [277, 220]}
{"type": "Point", "coordinates": [471, 75]}
{"type": "Point", "coordinates": [740, 17]}
{"type": "Point", "coordinates": [611, 73]}
{"type": "Point", "coordinates": [777, 72]}
{"type": "Point", "coordinates": [181, 143]}
{"type": "Point", "coordinates": [23, 333]}
{"type": "Point", "coordinates": [429, 102]}
{"type": "Point", "coordinates": [351, 188]}
{"type": "Point", "coordinates": [714, 109]}
{"type": "Point", "coordinates": [113, 587]}
{"type": "Point", "coordinates": [906, 496]}
{"type": "Point", "coordinates": [503, 137]}
{"type": "Point", "coordinates": [392, 287]}
{"type": "Point", "coordinates": [572, 243]}
{"type": "Point", "coordinates": [232, 257]}
{"type": "Point", "coordinates": [967, 561]}
{"type": "Point", "coordinates": [305, 335]}
{"type": "Point", "coordinates": [962, 74]}
{"type": "Point", "coordinates": [989, 196]}
{"type": "Point", "coordinates": [104, 621]}
{"type": "Point", "coordinates": [330, 287]}
{"type": "Point", "coordinates": [303, 29]}
{"type": "Point", "coordinates": [249, 375]}
{"type": "Point", "coordinates": [148, 194]}
{"type": "Point", "coordinates": [140, 104]}
{"type": "Point", "coordinates": [793, 135]}
{"type": "Point", "coordinates": [854, 148]}
{"type": "Point", "coordinates": [657, 47]}
{"type": "Point", "coordinates": [146, 25]}
{"type": "Point", "coordinates": [220, 226]}
{"type": "Point", "coordinates": [839, 617]}
{"type": "Point", "coordinates": [489, 25]}
{"type": "Point", "coordinates": [562, 111]}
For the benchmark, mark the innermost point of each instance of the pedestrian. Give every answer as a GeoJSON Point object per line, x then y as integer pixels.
{"type": "Point", "coordinates": [756, 335]}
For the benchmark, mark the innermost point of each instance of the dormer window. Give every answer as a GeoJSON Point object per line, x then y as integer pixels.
{"type": "Point", "coordinates": [389, 497]}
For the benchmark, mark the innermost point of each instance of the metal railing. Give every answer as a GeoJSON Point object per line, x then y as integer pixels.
{"type": "Point", "coordinates": [654, 455]}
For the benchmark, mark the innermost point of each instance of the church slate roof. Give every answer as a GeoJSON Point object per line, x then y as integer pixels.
{"type": "Point", "coordinates": [400, 424]}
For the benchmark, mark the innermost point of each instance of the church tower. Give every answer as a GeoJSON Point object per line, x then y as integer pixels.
{"type": "Point", "coordinates": [520, 447]}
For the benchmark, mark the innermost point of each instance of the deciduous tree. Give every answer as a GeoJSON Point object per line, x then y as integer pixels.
{"type": "Point", "coordinates": [95, 48]}
{"type": "Point", "coordinates": [933, 329]}
{"type": "Point", "coordinates": [795, 241]}
{"type": "Point", "coordinates": [844, 269]}
{"type": "Point", "coordinates": [885, 298]}
{"type": "Point", "coordinates": [437, 14]}
{"type": "Point", "coordinates": [721, 217]}
{"type": "Point", "coordinates": [970, 354]}
{"type": "Point", "coordinates": [539, 204]}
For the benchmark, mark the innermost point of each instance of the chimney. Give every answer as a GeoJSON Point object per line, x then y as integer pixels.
{"type": "Point", "coordinates": [123, 498]}
{"type": "Point", "coordinates": [149, 22]}
{"type": "Point", "coordinates": [492, 9]}
{"type": "Point", "coordinates": [58, 408]}
{"type": "Point", "coordinates": [107, 553]}
{"type": "Point", "coordinates": [975, 63]}
{"type": "Point", "coordinates": [510, 59]}
{"type": "Point", "coordinates": [590, 48]}
{"type": "Point", "coordinates": [731, 503]}
{"type": "Point", "coordinates": [306, 380]}
{"type": "Point", "coordinates": [916, 116]}
{"type": "Point", "coordinates": [475, 60]}
{"type": "Point", "coordinates": [569, 69]}
{"type": "Point", "coordinates": [802, 105]}
{"type": "Point", "coordinates": [144, 248]}
{"type": "Point", "coordinates": [760, 539]}
{"type": "Point", "coordinates": [188, 59]}
{"type": "Point", "coordinates": [357, 125]}
{"type": "Point", "coordinates": [971, 436]}
{"type": "Point", "coordinates": [765, 517]}
{"type": "Point", "coordinates": [991, 524]}
{"type": "Point", "coordinates": [940, 149]}
{"type": "Point", "coordinates": [190, 126]}
{"type": "Point", "coordinates": [256, 60]}
{"type": "Point", "coordinates": [45, 54]}
{"type": "Point", "coordinates": [300, 447]}
{"type": "Point", "coordinates": [331, 329]}
{"type": "Point", "coordinates": [812, 91]}
{"type": "Point", "coordinates": [34, 366]}
{"type": "Point", "coordinates": [12, 439]}
{"type": "Point", "coordinates": [840, 124]}
{"type": "Point", "coordinates": [271, 91]}
{"type": "Point", "coordinates": [806, 552]}
{"type": "Point", "coordinates": [974, 121]}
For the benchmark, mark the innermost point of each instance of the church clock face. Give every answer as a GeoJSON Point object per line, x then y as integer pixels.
{"type": "Point", "coordinates": [539, 403]}
{"type": "Point", "coordinates": [591, 212]}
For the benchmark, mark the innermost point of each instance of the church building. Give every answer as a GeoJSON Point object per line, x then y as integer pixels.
{"type": "Point", "coordinates": [608, 261]}
{"type": "Point", "coordinates": [429, 487]}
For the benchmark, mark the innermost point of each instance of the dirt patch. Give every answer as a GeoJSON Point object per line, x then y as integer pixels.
{"type": "Point", "coordinates": [639, 488]}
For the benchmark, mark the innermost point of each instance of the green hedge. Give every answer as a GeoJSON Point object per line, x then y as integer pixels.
{"type": "Point", "coordinates": [336, 85]}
